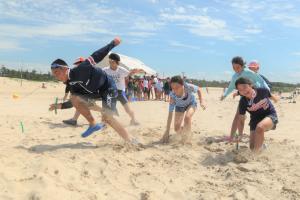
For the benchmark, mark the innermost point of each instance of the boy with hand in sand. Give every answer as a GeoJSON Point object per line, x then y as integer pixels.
{"type": "Point", "coordinates": [88, 81]}
{"type": "Point", "coordinates": [263, 115]}
{"type": "Point", "coordinates": [91, 103]}
{"type": "Point", "coordinates": [183, 101]}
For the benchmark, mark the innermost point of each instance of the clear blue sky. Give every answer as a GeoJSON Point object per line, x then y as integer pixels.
{"type": "Point", "coordinates": [171, 36]}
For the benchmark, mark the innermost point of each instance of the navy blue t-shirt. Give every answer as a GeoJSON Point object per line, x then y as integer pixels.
{"type": "Point", "coordinates": [259, 107]}
{"type": "Point", "coordinates": [86, 79]}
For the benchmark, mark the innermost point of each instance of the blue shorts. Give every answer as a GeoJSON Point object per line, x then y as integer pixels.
{"type": "Point", "coordinates": [122, 97]}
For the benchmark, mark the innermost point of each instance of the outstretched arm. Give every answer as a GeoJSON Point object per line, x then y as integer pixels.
{"type": "Point", "coordinates": [165, 138]}
{"type": "Point", "coordinates": [98, 55]}
{"type": "Point", "coordinates": [201, 99]}
{"type": "Point", "coordinates": [274, 98]}
{"type": "Point", "coordinates": [64, 105]}
{"type": "Point", "coordinates": [230, 88]}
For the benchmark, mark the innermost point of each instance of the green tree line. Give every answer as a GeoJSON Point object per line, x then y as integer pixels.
{"type": "Point", "coordinates": [35, 76]}
{"type": "Point", "coordinates": [276, 86]}
{"type": "Point", "coordinates": [26, 74]}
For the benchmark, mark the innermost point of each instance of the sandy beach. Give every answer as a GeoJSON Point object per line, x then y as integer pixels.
{"type": "Point", "coordinates": [50, 160]}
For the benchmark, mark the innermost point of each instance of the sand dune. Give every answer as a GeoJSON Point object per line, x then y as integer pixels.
{"type": "Point", "coordinates": [51, 161]}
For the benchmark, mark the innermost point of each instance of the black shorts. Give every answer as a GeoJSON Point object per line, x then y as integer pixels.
{"type": "Point", "coordinates": [146, 90]}
{"type": "Point", "coordinates": [253, 123]}
{"type": "Point", "coordinates": [122, 97]}
{"type": "Point", "coordinates": [167, 92]}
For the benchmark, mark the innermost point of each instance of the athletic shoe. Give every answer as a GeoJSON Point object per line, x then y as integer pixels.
{"type": "Point", "coordinates": [92, 129]}
{"type": "Point", "coordinates": [71, 122]}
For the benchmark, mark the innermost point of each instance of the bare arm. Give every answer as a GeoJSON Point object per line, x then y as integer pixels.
{"type": "Point", "coordinates": [65, 97]}
{"type": "Point", "coordinates": [201, 99]}
{"type": "Point", "coordinates": [274, 98]}
{"type": "Point", "coordinates": [165, 138]}
{"type": "Point", "coordinates": [241, 119]}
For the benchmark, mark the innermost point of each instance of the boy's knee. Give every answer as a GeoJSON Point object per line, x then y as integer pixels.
{"type": "Point", "coordinates": [187, 119]}
{"type": "Point", "coordinates": [73, 98]}
{"type": "Point", "coordinates": [260, 127]}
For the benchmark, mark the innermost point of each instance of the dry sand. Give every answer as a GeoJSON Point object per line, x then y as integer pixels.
{"type": "Point", "coordinates": [51, 161]}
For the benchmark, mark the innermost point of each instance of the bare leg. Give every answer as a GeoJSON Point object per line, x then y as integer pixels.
{"type": "Point", "coordinates": [252, 140]}
{"type": "Point", "coordinates": [76, 115]}
{"type": "Point", "coordinates": [145, 96]}
{"type": "Point", "coordinates": [262, 126]}
{"type": "Point", "coordinates": [187, 128]}
{"type": "Point", "coordinates": [237, 125]}
{"type": "Point", "coordinates": [241, 125]}
{"type": "Point", "coordinates": [129, 112]}
{"type": "Point", "coordinates": [115, 124]}
{"type": "Point", "coordinates": [151, 92]}
{"type": "Point", "coordinates": [82, 108]}
{"type": "Point", "coordinates": [178, 121]}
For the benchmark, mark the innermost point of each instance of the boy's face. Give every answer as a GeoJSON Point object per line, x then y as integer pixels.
{"type": "Point", "coordinates": [60, 73]}
{"type": "Point", "coordinates": [113, 64]}
{"type": "Point", "coordinates": [245, 90]}
{"type": "Point", "coordinates": [177, 88]}
{"type": "Point", "coordinates": [237, 67]}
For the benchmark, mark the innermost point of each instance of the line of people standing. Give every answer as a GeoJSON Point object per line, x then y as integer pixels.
{"type": "Point", "coordinates": [148, 88]}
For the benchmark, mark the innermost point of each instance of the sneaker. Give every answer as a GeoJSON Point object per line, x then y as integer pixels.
{"type": "Point", "coordinates": [92, 129]}
{"type": "Point", "coordinates": [71, 122]}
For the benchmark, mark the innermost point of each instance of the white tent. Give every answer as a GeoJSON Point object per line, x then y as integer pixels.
{"type": "Point", "coordinates": [129, 63]}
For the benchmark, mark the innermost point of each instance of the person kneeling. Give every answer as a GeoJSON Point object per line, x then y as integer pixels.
{"type": "Point", "coordinates": [263, 116]}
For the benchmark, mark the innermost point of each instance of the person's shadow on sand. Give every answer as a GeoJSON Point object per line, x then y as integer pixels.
{"type": "Point", "coordinates": [53, 125]}
{"type": "Point", "coordinates": [41, 148]}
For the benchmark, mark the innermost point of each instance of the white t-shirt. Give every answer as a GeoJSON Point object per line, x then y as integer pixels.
{"type": "Point", "coordinates": [118, 75]}
{"type": "Point", "coordinates": [158, 85]}
{"type": "Point", "coordinates": [145, 83]}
